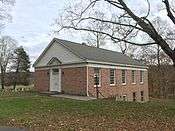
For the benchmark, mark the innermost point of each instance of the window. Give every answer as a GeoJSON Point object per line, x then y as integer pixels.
{"type": "Point", "coordinates": [124, 97]}
{"type": "Point", "coordinates": [133, 77]}
{"type": "Point", "coordinates": [134, 96]}
{"type": "Point", "coordinates": [112, 76]}
{"type": "Point", "coordinates": [96, 77]}
{"type": "Point", "coordinates": [141, 76]}
{"type": "Point", "coordinates": [123, 77]}
{"type": "Point", "coordinates": [142, 95]}
{"type": "Point", "coordinates": [55, 71]}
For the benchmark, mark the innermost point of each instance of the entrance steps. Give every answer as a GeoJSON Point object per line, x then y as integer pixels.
{"type": "Point", "coordinates": [49, 93]}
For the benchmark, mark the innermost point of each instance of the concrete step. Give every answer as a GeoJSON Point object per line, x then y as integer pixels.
{"type": "Point", "coordinates": [48, 93]}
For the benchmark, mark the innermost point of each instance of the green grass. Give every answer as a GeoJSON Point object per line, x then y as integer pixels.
{"type": "Point", "coordinates": [48, 113]}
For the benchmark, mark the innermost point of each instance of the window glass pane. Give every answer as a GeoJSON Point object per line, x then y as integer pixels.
{"type": "Point", "coordinates": [141, 76]}
{"type": "Point", "coordinates": [96, 76]}
{"type": "Point", "coordinates": [112, 76]}
{"type": "Point", "coordinates": [142, 95]}
{"type": "Point", "coordinates": [55, 71]}
{"type": "Point", "coordinates": [96, 80]}
{"type": "Point", "coordinates": [123, 76]}
{"type": "Point", "coordinates": [133, 76]}
{"type": "Point", "coordinates": [134, 96]}
{"type": "Point", "coordinates": [96, 70]}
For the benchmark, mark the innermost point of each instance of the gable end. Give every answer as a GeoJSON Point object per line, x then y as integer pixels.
{"type": "Point", "coordinates": [57, 51]}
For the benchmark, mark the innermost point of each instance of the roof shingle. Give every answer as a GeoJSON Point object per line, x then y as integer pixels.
{"type": "Point", "coordinates": [98, 54]}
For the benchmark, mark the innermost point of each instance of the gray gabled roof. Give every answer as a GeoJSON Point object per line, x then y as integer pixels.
{"type": "Point", "coordinates": [90, 53]}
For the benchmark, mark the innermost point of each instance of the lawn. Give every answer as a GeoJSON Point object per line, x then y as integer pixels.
{"type": "Point", "coordinates": [38, 112]}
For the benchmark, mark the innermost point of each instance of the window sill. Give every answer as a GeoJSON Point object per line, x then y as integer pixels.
{"type": "Point", "coordinates": [97, 86]}
{"type": "Point", "coordinates": [133, 83]}
{"type": "Point", "coordinates": [123, 84]}
{"type": "Point", "coordinates": [141, 83]}
{"type": "Point", "coordinates": [112, 84]}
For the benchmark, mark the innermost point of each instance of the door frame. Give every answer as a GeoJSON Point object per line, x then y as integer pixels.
{"type": "Point", "coordinates": [59, 88]}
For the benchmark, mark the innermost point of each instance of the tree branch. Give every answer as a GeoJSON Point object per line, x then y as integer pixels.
{"type": "Point", "coordinates": [168, 8]}
{"type": "Point", "coordinates": [111, 22]}
{"type": "Point", "coordinates": [115, 3]}
{"type": "Point", "coordinates": [151, 31]}
{"type": "Point", "coordinates": [112, 37]}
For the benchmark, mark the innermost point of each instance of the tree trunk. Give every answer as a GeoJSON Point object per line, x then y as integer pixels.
{"type": "Point", "coordinates": [2, 78]}
{"type": "Point", "coordinates": [174, 58]}
{"type": "Point", "coordinates": [16, 76]}
{"type": "Point", "coordinates": [98, 42]}
{"type": "Point", "coordinates": [14, 85]}
{"type": "Point", "coordinates": [165, 47]}
{"type": "Point", "coordinates": [158, 55]}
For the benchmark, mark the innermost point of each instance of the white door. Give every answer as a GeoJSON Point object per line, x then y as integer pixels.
{"type": "Point", "coordinates": [55, 80]}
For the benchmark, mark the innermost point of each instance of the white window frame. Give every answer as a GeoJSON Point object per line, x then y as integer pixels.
{"type": "Point", "coordinates": [124, 76]}
{"type": "Point", "coordinates": [141, 77]}
{"type": "Point", "coordinates": [99, 85]}
{"type": "Point", "coordinates": [114, 77]}
{"type": "Point", "coordinates": [133, 76]}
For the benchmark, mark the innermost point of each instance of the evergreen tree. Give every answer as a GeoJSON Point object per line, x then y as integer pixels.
{"type": "Point", "coordinates": [21, 65]}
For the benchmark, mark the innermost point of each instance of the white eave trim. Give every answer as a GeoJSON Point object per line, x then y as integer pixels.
{"type": "Point", "coordinates": [42, 54]}
{"type": "Point", "coordinates": [116, 64]}
{"type": "Point", "coordinates": [99, 65]}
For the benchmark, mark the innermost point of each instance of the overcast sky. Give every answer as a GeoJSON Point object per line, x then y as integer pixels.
{"type": "Point", "coordinates": [32, 24]}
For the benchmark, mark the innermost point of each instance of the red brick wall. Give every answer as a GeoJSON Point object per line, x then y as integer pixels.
{"type": "Point", "coordinates": [42, 80]}
{"type": "Point", "coordinates": [74, 81]}
{"type": "Point", "coordinates": [118, 89]}
{"type": "Point", "coordinates": [105, 88]}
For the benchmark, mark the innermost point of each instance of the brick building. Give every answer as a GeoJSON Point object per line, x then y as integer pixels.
{"type": "Point", "coordinates": [72, 68]}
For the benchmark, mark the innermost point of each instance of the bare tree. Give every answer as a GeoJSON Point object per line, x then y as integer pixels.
{"type": "Point", "coordinates": [153, 54]}
{"type": "Point", "coordinates": [76, 18]}
{"type": "Point", "coordinates": [7, 47]}
{"type": "Point", "coordinates": [126, 33]}
{"type": "Point", "coordinates": [94, 38]}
